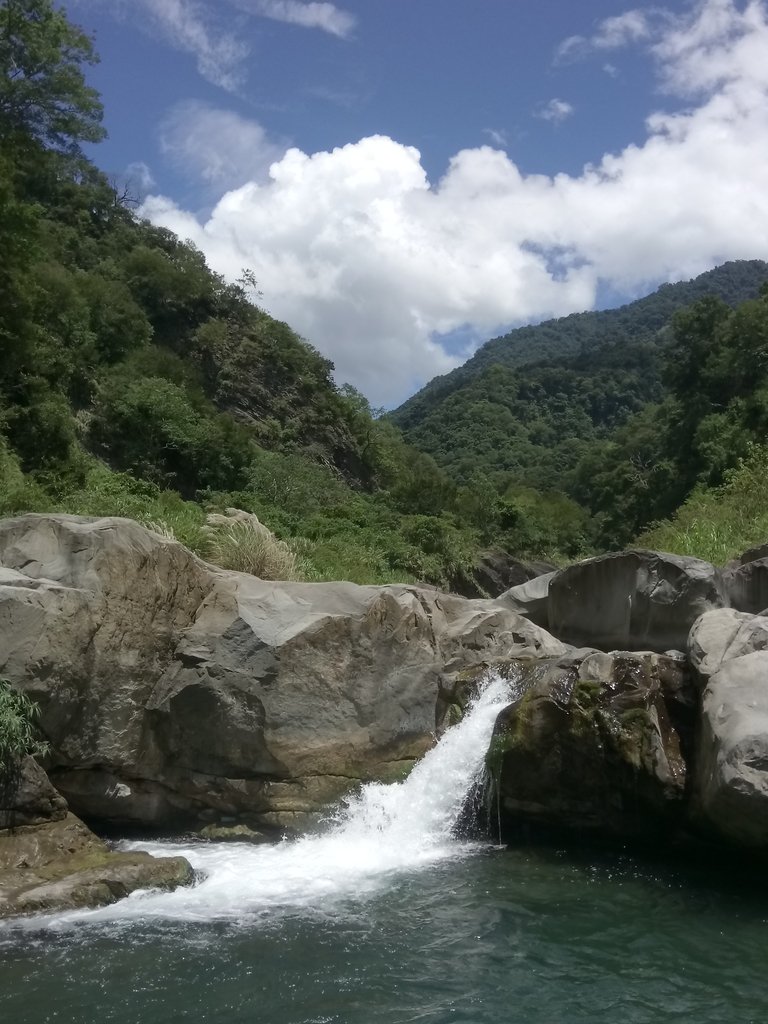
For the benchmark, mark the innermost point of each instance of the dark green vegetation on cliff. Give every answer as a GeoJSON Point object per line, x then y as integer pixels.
{"type": "Point", "coordinates": [624, 411]}
{"type": "Point", "coordinates": [136, 382]}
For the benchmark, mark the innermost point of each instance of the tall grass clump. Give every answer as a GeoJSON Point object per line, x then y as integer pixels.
{"type": "Point", "coordinates": [241, 542]}
{"type": "Point", "coordinates": [717, 524]}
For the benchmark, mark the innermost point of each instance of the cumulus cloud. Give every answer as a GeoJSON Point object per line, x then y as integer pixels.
{"type": "Point", "coordinates": [218, 147]}
{"type": "Point", "coordinates": [555, 111]}
{"type": "Point", "coordinates": [373, 263]}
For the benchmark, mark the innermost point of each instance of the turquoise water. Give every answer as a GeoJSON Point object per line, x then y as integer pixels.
{"type": "Point", "coordinates": [386, 916]}
{"type": "Point", "coordinates": [530, 935]}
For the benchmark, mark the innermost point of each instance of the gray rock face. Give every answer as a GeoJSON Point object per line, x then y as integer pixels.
{"type": "Point", "coordinates": [27, 797]}
{"type": "Point", "coordinates": [633, 600]}
{"type": "Point", "coordinates": [747, 586]}
{"type": "Point", "coordinates": [732, 755]}
{"type": "Point", "coordinates": [173, 692]}
{"type": "Point", "coordinates": [597, 742]}
{"type": "Point", "coordinates": [722, 635]}
{"type": "Point", "coordinates": [496, 571]}
{"type": "Point", "coordinates": [753, 554]}
{"type": "Point", "coordinates": [531, 599]}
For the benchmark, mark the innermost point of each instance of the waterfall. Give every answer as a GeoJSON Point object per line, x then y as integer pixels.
{"type": "Point", "coordinates": [382, 831]}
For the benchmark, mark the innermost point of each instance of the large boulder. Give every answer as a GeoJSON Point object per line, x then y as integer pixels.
{"type": "Point", "coordinates": [731, 785]}
{"type": "Point", "coordinates": [27, 796]}
{"type": "Point", "coordinates": [175, 693]}
{"type": "Point", "coordinates": [728, 650]}
{"type": "Point", "coordinates": [531, 599]}
{"type": "Point", "coordinates": [496, 571]}
{"type": "Point", "coordinates": [596, 742]}
{"type": "Point", "coordinates": [721, 635]}
{"type": "Point", "coordinates": [633, 600]}
{"type": "Point", "coordinates": [747, 585]}
{"type": "Point", "coordinates": [753, 554]}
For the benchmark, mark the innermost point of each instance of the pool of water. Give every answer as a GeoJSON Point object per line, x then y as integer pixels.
{"type": "Point", "coordinates": [387, 916]}
{"type": "Point", "coordinates": [532, 935]}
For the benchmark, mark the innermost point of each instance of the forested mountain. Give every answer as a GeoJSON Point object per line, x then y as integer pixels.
{"type": "Point", "coordinates": [555, 424]}
{"type": "Point", "coordinates": [134, 381]}
{"type": "Point", "coordinates": [579, 333]}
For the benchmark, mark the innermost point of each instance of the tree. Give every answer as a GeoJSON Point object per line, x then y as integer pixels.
{"type": "Point", "coordinates": [18, 236]}
{"type": "Point", "coordinates": [43, 94]}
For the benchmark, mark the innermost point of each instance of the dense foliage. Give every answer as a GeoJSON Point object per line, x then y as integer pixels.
{"type": "Point", "coordinates": [136, 382]}
{"type": "Point", "coordinates": [720, 523]}
{"type": "Point", "coordinates": [653, 403]}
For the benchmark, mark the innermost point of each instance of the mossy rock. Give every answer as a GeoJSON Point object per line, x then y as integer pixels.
{"type": "Point", "coordinates": [62, 865]}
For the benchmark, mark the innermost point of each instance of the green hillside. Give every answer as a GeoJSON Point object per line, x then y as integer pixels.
{"type": "Point", "coordinates": [134, 381]}
{"type": "Point", "coordinates": [579, 333]}
{"type": "Point", "coordinates": [555, 424]}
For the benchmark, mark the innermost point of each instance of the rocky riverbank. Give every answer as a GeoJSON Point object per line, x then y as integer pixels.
{"type": "Point", "coordinates": [49, 860]}
{"type": "Point", "coordinates": [666, 736]}
{"type": "Point", "coordinates": [178, 696]}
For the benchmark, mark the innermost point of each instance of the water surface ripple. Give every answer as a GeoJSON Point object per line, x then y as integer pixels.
{"type": "Point", "coordinates": [519, 935]}
{"type": "Point", "coordinates": [386, 917]}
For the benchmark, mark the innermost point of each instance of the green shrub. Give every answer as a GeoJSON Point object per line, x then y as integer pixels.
{"type": "Point", "coordinates": [719, 523]}
{"type": "Point", "coordinates": [18, 733]}
{"type": "Point", "coordinates": [106, 493]}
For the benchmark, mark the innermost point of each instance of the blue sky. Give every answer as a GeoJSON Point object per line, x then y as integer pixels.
{"type": "Point", "coordinates": [408, 178]}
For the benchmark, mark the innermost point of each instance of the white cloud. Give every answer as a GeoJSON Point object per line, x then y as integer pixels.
{"type": "Point", "coordinates": [191, 27]}
{"type": "Point", "coordinates": [369, 261]}
{"type": "Point", "coordinates": [139, 174]}
{"type": "Point", "coordinates": [325, 16]}
{"type": "Point", "coordinates": [622, 29]}
{"type": "Point", "coordinates": [723, 48]}
{"type": "Point", "coordinates": [218, 147]}
{"type": "Point", "coordinates": [556, 111]}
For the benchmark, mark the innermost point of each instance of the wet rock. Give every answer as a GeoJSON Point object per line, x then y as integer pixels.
{"type": "Point", "coordinates": [232, 834]}
{"type": "Point", "coordinates": [61, 865]}
{"type": "Point", "coordinates": [747, 586]}
{"type": "Point", "coordinates": [597, 742]}
{"type": "Point", "coordinates": [632, 600]}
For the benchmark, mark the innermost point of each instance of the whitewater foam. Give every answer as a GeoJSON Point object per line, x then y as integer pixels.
{"type": "Point", "coordinates": [380, 832]}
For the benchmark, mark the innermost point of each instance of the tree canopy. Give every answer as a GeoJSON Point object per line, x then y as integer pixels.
{"type": "Point", "coordinates": [135, 381]}
{"type": "Point", "coordinates": [43, 92]}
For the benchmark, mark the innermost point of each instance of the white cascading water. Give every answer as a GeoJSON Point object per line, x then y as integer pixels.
{"type": "Point", "coordinates": [383, 830]}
